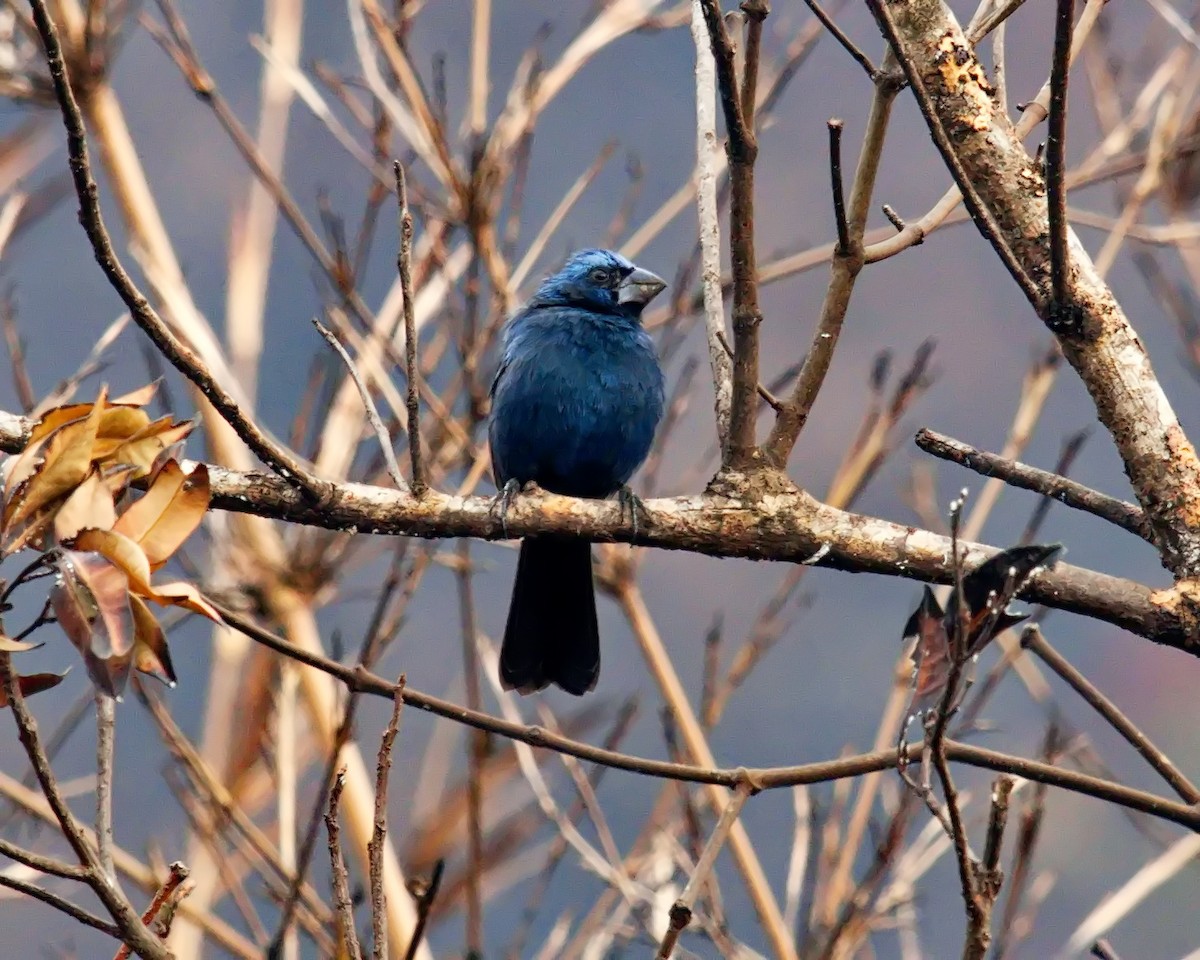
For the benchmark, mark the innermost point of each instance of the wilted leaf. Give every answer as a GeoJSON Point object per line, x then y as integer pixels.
{"type": "Point", "coordinates": [991, 587]}
{"type": "Point", "coordinates": [67, 461]}
{"type": "Point", "coordinates": [33, 683]}
{"type": "Point", "coordinates": [121, 551]}
{"type": "Point", "coordinates": [142, 449]}
{"type": "Point", "coordinates": [931, 655]}
{"type": "Point", "coordinates": [141, 396]}
{"type": "Point", "coordinates": [166, 514]}
{"type": "Point", "coordinates": [9, 645]}
{"type": "Point", "coordinates": [150, 653]}
{"type": "Point", "coordinates": [90, 505]}
{"type": "Point", "coordinates": [91, 604]}
{"type": "Point", "coordinates": [129, 557]}
{"type": "Point", "coordinates": [183, 594]}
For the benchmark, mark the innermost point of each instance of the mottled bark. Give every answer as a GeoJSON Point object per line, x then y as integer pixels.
{"type": "Point", "coordinates": [1100, 343]}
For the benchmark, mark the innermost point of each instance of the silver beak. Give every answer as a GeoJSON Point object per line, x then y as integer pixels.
{"type": "Point", "coordinates": [641, 287]}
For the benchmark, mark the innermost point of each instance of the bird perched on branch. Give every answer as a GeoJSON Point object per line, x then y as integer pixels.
{"type": "Point", "coordinates": [575, 404]}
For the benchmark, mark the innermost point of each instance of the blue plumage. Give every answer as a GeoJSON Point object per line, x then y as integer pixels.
{"type": "Point", "coordinates": [575, 404]}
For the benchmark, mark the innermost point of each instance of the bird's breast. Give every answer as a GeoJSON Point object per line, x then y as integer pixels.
{"type": "Point", "coordinates": [575, 409]}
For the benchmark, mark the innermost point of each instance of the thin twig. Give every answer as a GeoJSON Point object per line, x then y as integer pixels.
{"type": "Point", "coordinates": [385, 441]}
{"type": "Point", "coordinates": [983, 214]}
{"type": "Point", "coordinates": [160, 911]}
{"type": "Point", "coordinates": [681, 911]}
{"type": "Point", "coordinates": [347, 933]}
{"type": "Point", "coordinates": [710, 227]}
{"type": "Point", "coordinates": [106, 722]}
{"type": "Point", "coordinates": [476, 753]}
{"type": "Point", "coordinates": [1056, 159]}
{"type": "Point", "coordinates": [363, 681]}
{"type": "Point", "coordinates": [741, 148]}
{"type": "Point", "coordinates": [1033, 640]}
{"type": "Point", "coordinates": [383, 765]}
{"type": "Point", "coordinates": [403, 262]}
{"type": "Point", "coordinates": [846, 264]}
{"type": "Point", "coordinates": [78, 914]}
{"type": "Point", "coordinates": [847, 44]}
{"type": "Point", "coordinates": [424, 905]}
{"type": "Point", "coordinates": [180, 356]}
{"type": "Point", "coordinates": [132, 930]}
{"type": "Point", "coordinates": [1017, 474]}
{"type": "Point", "coordinates": [835, 175]}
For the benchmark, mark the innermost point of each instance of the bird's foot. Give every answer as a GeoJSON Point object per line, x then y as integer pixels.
{"type": "Point", "coordinates": [633, 503]}
{"type": "Point", "coordinates": [503, 501]}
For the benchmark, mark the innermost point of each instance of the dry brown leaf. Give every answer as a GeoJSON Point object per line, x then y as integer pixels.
{"type": "Point", "coordinates": [150, 653]}
{"type": "Point", "coordinates": [9, 645]}
{"type": "Point", "coordinates": [33, 683]}
{"type": "Point", "coordinates": [90, 505]}
{"type": "Point", "coordinates": [168, 513]}
{"type": "Point", "coordinates": [144, 449]}
{"type": "Point", "coordinates": [66, 464]}
{"type": "Point", "coordinates": [91, 603]}
{"type": "Point", "coordinates": [139, 397]}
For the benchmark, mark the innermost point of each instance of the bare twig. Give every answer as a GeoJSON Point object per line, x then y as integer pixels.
{"type": "Point", "coordinates": [424, 905]}
{"type": "Point", "coordinates": [710, 227]}
{"type": "Point", "coordinates": [403, 259]}
{"type": "Point", "coordinates": [741, 148]}
{"type": "Point", "coordinates": [161, 910]}
{"type": "Point", "coordinates": [383, 766]}
{"type": "Point", "coordinates": [835, 175]}
{"type": "Point", "coordinates": [78, 914]}
{"type": "Point", "coordinates": [1056, 157]}
{"type": "Point", "coordinates": [847, 44]}
{"type": "Point", "coordinates": [363, 681]}
{"type": "Point", "coordinates": [347, 933]}
{"type": "Point", "coordinates": [180, 356]}
{"type": "Point", "coordinates": [476, 753]}
{"type": "Point", "coordinates": [681, 911]}
{"type": "Point", "coordinates": [847, 262]}
{"type": "Point", "coordinates": [1017, 474]}
{"type": "Point", "coordinates": [132, 930]}
{"type": "Point", "coordinates": [106, 722]}
{"type": "Point", "coordinates": [385, 441]}
{"type": "Point", "coordinates": [1033, 640]}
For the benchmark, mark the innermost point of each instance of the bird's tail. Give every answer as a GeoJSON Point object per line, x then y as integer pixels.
{"type": "Point", "coordinates": [552, 635]}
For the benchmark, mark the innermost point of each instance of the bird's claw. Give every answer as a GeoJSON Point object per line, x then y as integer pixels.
{"type": "Point", "coordinates": [503, 501]}
{"type": "Point", "coordinates": [633, 503]}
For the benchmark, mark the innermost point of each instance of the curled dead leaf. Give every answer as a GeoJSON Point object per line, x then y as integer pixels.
{"type": "Point", "coordinates": [91, 603]}
{"type": "Point", "coordinates": [32, 683]}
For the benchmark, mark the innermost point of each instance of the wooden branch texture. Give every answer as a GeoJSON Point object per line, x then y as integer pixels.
{"type": "Point", "coordinates": [784, 524]}
{"type": "Point", "coordinates": [1103, 348]}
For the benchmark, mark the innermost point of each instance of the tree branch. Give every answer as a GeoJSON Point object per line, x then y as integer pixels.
{"type": "Point", "coordinates": [146, 317]}
{"type": "Point", "coordinates": [361, 680]}
{"type": "Point", "coordinates": [1052, 485]}
{"type": "Point", "coordinates": [1005, 193]}
{"type": "Point", "coordinates": [741, 148]}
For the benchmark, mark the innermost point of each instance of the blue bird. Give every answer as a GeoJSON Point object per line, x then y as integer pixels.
{"type": "Point", "coordinates": [575, 403]}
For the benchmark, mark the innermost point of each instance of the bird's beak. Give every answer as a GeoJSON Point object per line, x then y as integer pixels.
{"type": "Point", "coordinates": [641, 287]}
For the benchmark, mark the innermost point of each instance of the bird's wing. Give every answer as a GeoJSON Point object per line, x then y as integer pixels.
{"type": "Point", "coordinates": [496, 379]}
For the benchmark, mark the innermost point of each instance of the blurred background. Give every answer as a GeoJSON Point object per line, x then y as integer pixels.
{"type": "Point", "coordinates": [821, 686]}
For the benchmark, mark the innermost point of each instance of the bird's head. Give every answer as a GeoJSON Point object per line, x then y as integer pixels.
{"type": "Point", "coordinates": [602, 281]}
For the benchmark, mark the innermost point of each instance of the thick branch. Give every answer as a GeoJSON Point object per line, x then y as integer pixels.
{"type": "Point", "coordinates": [785, 525]}
{"type": "Point", "coordinates": [1104, 349]}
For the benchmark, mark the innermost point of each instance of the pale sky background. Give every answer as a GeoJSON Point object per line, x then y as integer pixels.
{"type": "Point", "coordinates": [823, 685]}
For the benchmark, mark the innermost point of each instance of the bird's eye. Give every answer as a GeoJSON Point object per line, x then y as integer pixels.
{"type": "Point", "coordinates": [600, 275]}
